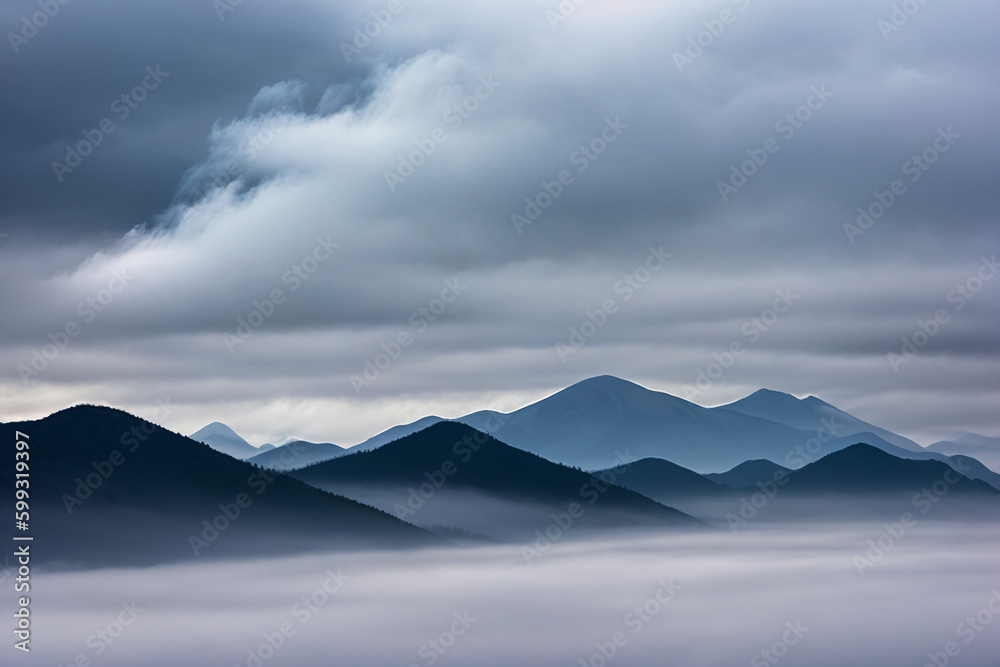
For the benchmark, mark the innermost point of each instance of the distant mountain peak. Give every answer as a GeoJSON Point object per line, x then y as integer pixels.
{"type": "Point", "coordinates": [222, 438]}
{"type": "Point", "coordinates": [861, 451]}
{"type": "Point", "coordinates": [773, 395]}
{"type": "Point", "coordinates": [217, 427]}
{"type": "Point", "coordinates": [607, 383]}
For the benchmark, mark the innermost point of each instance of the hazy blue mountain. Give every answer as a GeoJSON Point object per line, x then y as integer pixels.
{"type": "Point", "coordinates": [223, 439]}
{"type": "Point", "coordinates": [981, 447]}
{"type": "Point", "coordinates": [664, 482]}
{"type": "Point", "coordinates": [590, 423]}
{"type": "Point", "coordinates": [968, 466]}
{"type": "Point", "coordinates": [394, 433]}
{"type": "Point", "coordinates": [481, 485]}
{"type": "Point", "coordinates": [748, 473]}
{"type": "Point", "coordinates": [809, 414]}
{"type": "Point", "coordinates": [603, 420]}
{"type": "Point", "coordinates": [108, 488]}
{"type": "Point", "coordinates": [297, 454]}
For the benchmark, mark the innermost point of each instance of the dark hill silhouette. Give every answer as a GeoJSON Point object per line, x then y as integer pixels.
{"type": "Point", "coordinates": [865, 470]}
{"type": "Point", "coordinates": [145, 509]}
{"type": "Point", "coordinates": [748, 473]}
{"type": "Point", "coordinates": [665, 482]}
{"type": "Point", "coordinates": [486, 467]}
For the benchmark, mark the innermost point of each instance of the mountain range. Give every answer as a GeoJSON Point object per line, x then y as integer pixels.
{"type": "Point", "coordinates": [451, 474]}
{"type": "Point", "coordinates": [108, 488]}
{"type": "Point", "coordinates": [981, 447]}
{"type": "Point", "coordinates": [598, 421]}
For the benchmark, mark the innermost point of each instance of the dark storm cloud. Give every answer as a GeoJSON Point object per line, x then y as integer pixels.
{"type": "Point", "coordinates": [66, 78]}
{"type": "Point", "coordinates": [537, 166]}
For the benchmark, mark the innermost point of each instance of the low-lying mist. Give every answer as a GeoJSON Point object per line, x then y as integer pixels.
{"type": "Point", "coordinates": [860, 594]}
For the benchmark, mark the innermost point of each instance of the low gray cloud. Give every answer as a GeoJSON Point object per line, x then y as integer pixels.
{"type": "Point", "coordinates": [720, 599]}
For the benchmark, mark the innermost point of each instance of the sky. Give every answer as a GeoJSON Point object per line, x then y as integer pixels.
{"type": "Point", "coordinates": [321, 219]}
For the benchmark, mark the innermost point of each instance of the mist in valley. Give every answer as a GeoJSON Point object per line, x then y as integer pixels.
{"type": "Point", "coordinates": [864, 593]}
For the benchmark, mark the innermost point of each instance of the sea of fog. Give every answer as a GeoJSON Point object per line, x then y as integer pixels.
{"type": "Point", "coordinates": [832, 595]}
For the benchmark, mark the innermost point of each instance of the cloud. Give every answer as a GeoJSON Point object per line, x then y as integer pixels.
{"type": "Point", "coordinates": [666, 595]}
{"type": "Point", "coordinates": [416, 157]}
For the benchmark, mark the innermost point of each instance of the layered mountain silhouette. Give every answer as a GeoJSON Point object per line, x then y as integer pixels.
{"type": "Point", "coordinates": [862, 481]}
{"type": "Point", "coordinates": [857, 481]}
{"type": "Point", "coordinates": [591, 423]}
{"type": "Point", "coordinates": [665, 482]}
{"type": "Point", "coordinates": [452, 475]}
{"type": "Point", "coordinates": [865, 470]}
{"type": "Point", "coordinates": [810, 414]}
{"type": "Point", "coordinates": [108, 488]}
{"type": "Point", "coordinates": [980, 447]}
{"type": "Point", "coordinates": [395, 433]}
{"type": "Point", "coordinates": [297, 454]}
{"type": "Point", "coordinates": [599, 421]}
{"type": "Point", "coordinates": [748, 473]}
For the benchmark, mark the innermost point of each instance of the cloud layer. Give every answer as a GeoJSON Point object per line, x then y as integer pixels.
{"type": "Point", "coordinates": [707, 600]}
{"type": "Point", "coordinates": [536, 159]}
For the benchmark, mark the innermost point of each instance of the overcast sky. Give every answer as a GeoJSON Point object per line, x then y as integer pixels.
{"type": "Point", "coordinates": [673, 169]}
